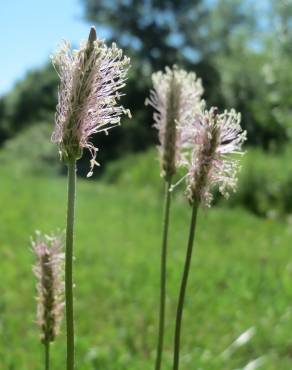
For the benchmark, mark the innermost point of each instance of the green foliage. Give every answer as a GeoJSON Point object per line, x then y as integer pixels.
{"type": "Point", "coordinates": [264, 186]}
{"type": "Point", "coordinates": [156, 32]}
{"type": "Point", "coordinates": [249, 84]}
{"type": "Point", "coordinates": [240, 278]}
{"type": "Point", "coordinates": [31, 100]}
{"type": "Point", "coordinates": [138, 170]}
{"type": "Point", "coordinates": [31, 151]}
{"type": "Point", "coordinates": [265, 183]}
{"type": "Point", "coordinates": [163, 32]}
{"type": "Point", "coordinates": [255, 75]}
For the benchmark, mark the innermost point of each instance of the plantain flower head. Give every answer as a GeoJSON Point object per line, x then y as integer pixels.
{"type": "Point", "coordinates": [176, 96]}
{"type": "Point", "coordinates": [90, 82]}
{"type": "Point", "coordinates": [210, 142]}
{"type": "Point", "coordinates": [50, 286]}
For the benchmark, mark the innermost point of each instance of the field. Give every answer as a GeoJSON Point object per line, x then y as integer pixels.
{"type": "Point", "coordinates": [241, 279]}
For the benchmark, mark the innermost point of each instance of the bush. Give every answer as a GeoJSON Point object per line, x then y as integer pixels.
{"type": "Point", "coordinates": [264, 186]}
{"type": "Point", "coordinates": [265, 183]}
{"type": "Point", "coordinates": [135, 170]}
{"type": "Point", "coordinates": [31, 151]}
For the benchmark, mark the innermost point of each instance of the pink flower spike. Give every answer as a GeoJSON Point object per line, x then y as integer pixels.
{"type": "Point", "coordinates": [208, 141]}
{"type": "Point", "coordinates": [90, 82]}
{"type": "Point", "coordinates": [50, 286]}
{"type": "Point", "coordinates": [176, 96]}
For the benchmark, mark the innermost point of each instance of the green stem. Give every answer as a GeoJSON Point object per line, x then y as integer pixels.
{"type": "Point", "coordinates": [47, 355]}
{"type": "Point", "coordinates": [167, 201]}
{"type": "Point", "coordinates": [69, 262]}
{"type": "Point", "coordinates": [183, 287]}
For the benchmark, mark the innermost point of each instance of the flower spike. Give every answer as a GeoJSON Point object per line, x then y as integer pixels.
{"type": "Point", "coordinates": [208, 141]}
{"type": "Point", "coordinates": [176, 96]}
{"type": "Point", "coordinates": [90, 82]}
{"type": "Point", "coordinates": [50, 286]}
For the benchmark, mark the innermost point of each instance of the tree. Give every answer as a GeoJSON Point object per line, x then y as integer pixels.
{"type": "Point", "coordinates": [31, 100]}
{"type": "Point", "coordinates": [157, 33]}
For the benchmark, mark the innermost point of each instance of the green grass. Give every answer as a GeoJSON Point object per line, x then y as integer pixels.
{"type": "Point", "coordinates": [241, 277]}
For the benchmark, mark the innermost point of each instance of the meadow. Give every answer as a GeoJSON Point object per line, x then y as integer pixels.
{"type": "Point", "coordinates": [240, 279]}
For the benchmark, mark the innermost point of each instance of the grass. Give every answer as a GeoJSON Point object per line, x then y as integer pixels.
{"type": "Point", "coordinates": [241, 278]}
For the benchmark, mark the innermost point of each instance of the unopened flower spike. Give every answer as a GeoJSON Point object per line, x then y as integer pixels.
{"type": "Point", "coordinates": [50, 286]}
{"type": "Point", "coordinates": [208, 141]}
{"type": "Point", "coordinates": [176, 96]}
{"type": "Point", "coordinates": [90, 82]}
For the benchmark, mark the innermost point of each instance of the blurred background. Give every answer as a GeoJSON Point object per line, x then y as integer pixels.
{"type": "Point", "coordinates": [242, 272]}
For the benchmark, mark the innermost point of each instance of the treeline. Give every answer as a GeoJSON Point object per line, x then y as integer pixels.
{"type": "Point", "coordinates": [242, 52]}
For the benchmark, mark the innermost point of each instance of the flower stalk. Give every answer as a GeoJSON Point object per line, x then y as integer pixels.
{"type": "Point", "coordinates": [69, 263]}
{"type": "Point", "coordinates": [47, 356]}
{"type": "Point", "coordinates": [163, 274]}
{"type": "Point", "coordinates": [183, 287]}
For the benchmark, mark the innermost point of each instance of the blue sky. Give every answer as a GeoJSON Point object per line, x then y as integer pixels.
{"type": "Point", "coordinates": [30, 30]}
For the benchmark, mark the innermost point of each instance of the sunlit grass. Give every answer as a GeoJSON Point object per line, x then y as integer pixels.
{"type": "Point", "coordinates": [241, 278]}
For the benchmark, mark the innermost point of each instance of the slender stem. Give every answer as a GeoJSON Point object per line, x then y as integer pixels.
{"type": "Point", "coordinates": [183, 287]}
{"type": "Point", "coordinates": [167, 201]}
{"type": "Point", "coordinates": [47, 355]}
{"type": "Point", "coordinates": [69, 263]}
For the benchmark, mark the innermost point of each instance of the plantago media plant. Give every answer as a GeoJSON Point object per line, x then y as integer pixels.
{"type": "Point", "coordinates": [210, 142]}
{"type": "Point", "coordinates": [90, 82]}
{"type": "Point", "coordinates": [176, 96]}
